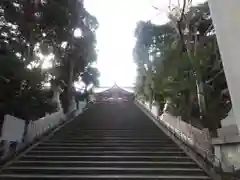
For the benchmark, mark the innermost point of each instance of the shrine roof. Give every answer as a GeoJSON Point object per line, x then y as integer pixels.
{"type": "Point", "coordinates": [115, 88]}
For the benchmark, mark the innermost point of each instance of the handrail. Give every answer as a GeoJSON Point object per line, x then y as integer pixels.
{"type": "Point", "coordinates": [7, 152]}
{"type": "Point", "coordinates": [206, 153]}
{"type": "Point", "coordinates": [210, 159]}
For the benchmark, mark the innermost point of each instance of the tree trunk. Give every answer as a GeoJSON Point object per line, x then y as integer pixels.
{"type": "Point", "coordinates": [196, 67]}
{"type": "Point", "coordinates": [69, 85]}
{"type": "Point", "coordinates": [67, 93]}
{"type": "Point", "coordinates": [150, 101]}
{"type": "Point", "coordinates": [201, 97]}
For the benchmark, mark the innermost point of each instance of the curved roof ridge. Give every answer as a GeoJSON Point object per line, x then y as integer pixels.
{"type": "Point", "coordinates": [115, 86]}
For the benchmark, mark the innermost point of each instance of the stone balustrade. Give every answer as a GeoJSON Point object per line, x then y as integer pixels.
{"type": "Point", "coordinates": [13, 130]}
{"type": "Point", "coordinates": [193, 136]}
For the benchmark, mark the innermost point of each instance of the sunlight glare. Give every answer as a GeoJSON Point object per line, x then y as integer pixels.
{"type": "Point", "coordinates": [115, 35]}
{"type": "Point", "coordinates": [47, 61]}
{"type": "Point", "coordinates": [77, 33]}
{"type": "Point", "coordinates": [64, 44]}
{"type": "Point", "coordinates": [79, 85]}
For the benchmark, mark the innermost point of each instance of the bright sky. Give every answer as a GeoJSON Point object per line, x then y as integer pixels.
{"type": "Point", "coordinates": [115, 36]}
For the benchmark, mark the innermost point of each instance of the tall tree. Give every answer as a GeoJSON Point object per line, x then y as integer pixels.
{"type": "Point", "coordinates": [32, 31]}
{"type": "Point", "coordinates": [184, 56]}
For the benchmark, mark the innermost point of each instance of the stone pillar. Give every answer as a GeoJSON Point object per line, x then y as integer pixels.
{"type": "Point", "coordinates": [225, 15]}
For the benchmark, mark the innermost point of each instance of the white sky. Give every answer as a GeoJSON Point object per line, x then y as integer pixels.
{"type": "Point", "coordinates": [115, 36]}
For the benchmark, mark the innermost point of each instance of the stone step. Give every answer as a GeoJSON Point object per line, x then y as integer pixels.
{"type": "Point", "coordinates": [106, 148]}
{"type": "Point", "coordinates": [120, 163]}
{"type": "Point", "coordinates": [117, 152]}
{"type": "Point", "coordinates": [97, 177]}
{"type": "Point", "coordinates": [106, 138]}
{"type": "Point", "coordinates": [102, 170]}
{"type": "Point", "coordinates": [106, 158]}
{"type": "Point", "coordinates": [113, 144]}
{"type": "Point", "coordinates": [114, 135]}
{"type": "Point", "coordinates": [111, 141]}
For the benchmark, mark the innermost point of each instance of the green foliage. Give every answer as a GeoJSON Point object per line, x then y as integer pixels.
{"type": "Point", "coordinates": [90, 76]}
{"type": "Point", "coordinates": [174, 64]}
{"type": "Point", "coordinates": [29, 29]}
{"type": "Point", "coordinates": [22, 90]}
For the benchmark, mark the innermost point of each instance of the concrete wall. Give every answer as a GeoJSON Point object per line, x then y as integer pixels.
{"type": "Point", "coordinates": [225, 15]}
{"type": "Point", "coordinates": [12, 129]}
{"type": "Point", "coordinates": [231, 156]}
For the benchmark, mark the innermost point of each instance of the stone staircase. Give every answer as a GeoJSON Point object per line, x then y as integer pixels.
{"type": "Point", "coordinates": [108, 141]}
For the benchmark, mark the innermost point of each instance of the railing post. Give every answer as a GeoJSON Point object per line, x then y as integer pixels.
{"type": "Point", "coordinates": [6, 148]}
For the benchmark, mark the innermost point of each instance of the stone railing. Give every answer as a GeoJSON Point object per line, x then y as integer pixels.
{"type": "Point", "coordinates": [16, 135]}
{"type": "Point", "coordinates": [199, 139]}
{"type": "Point", "coordinates": [192, 135]}
{"type": "Point", "coordinates": [37, 128]}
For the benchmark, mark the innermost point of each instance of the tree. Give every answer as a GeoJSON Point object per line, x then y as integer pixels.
{"type": "Point", "coordinates": [79, 53]}
{"type": "Point", "coordinates": [31, 32]}
{"type": "Point", "coordinates": [90, 77]}
{"type": "Point", "coordinates": [184, 60]}
{"type": "Point", "coordinates": [22, 90]}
